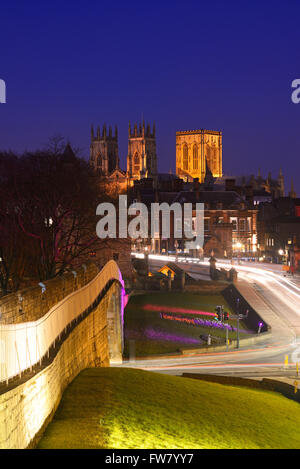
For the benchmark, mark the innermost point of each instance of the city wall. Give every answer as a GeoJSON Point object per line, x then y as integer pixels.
{"type": "Point", "coordinates": [32, 303]}
{"type": "Point", "coordinates": [28, 405]}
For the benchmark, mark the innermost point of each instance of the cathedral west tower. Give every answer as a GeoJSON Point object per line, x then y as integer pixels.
{"type": "Point", "coordinates": [104, 152]}
{"type": "Point", "coordinates": [142, 157]}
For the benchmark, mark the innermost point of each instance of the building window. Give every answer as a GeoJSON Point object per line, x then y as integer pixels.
{"type": "Point", "coordinates": [136, 162]}
{"type": "Point", "coordinates": [195, 157]}
{"type": "Point", "coordinates": [233, 220]}
{"type": "Point", "coordinates": [216, 168]}
{"type": "Point", "coordinates": [185, 158]}
{"type": "Point", "coordinates": [242, 224]}
{"type": "Point", "coordinates": [178, 225]}
{"type": "Point", "coordinates": [206, 224]}
{"type": "Point", "coordinates": [187, 226]}
{"type": "Point", "coordinates": [194, 225]}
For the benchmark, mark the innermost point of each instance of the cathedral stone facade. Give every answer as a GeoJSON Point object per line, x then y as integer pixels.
{"type": "Point", "coordinates": [142, 157]}
{"type": "Point", "coordinates": [197, 149]}
{"type": "Point", "coordinates": [104, 151]}
{"type": "Point", "coordinates": [198, 152]}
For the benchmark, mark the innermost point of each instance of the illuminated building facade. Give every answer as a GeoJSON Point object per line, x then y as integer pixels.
{"type": "Point", "coordinates": [230, 222]}
{"type": "Point", "coordinates": [142, 157]}
{"type": "Point", "coordinates": [104, 152]}
{"type": "Point", "coordinates": [197, 149]}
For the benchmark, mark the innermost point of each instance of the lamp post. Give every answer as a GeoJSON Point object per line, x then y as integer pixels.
{"type": "Point", "coordinates": [237, 246]}
{"type": "Point", "coordinates": [238, 324]}
{"type": "Point", "coordinates": [176, 249]}
{"type": "Point", "coordinates": [280, 252]}
{"type": "Point", "coordinates": [226, 339]}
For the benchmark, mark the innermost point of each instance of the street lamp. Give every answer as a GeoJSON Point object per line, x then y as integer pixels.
{"type": "Point", "coordinates": [238, 324]}
{"type": "Point", "coordinates": [238, 246]}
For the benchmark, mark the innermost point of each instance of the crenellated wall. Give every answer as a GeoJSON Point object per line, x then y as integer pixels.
{"type": "Point", "coordinates": [26, 409]}
{"type": "Point", "coordinates": [28, 404]}
{"type": "Point", "coordinates": [32, 303]}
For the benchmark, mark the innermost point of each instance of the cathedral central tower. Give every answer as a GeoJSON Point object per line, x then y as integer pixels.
{"type": "Point", "coordinates": [196, 149]}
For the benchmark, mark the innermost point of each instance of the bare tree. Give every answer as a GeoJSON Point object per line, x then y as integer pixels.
{"type": "Point", "coordinates": [56, 202]}
{"type": "Point", "coordinates": [13, 248]}
{"type": "Point", "coordinates": [57, 144]}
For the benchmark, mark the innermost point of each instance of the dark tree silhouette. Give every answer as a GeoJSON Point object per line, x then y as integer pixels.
{"type": "Point", "coordinates": [56, 198]}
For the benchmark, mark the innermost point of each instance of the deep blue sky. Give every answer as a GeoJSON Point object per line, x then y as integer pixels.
{"type": "Point", "coordinates": [221, 65]}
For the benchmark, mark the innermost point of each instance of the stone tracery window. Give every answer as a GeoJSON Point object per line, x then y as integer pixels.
{"type": "Point", "coordinates": [136, 162]}
{"type": "Point", "coordinates": [185, 163]}
{"type": "Point", "coordinates": [195, 157]}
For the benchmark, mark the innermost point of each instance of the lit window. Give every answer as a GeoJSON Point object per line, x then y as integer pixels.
{"type": "Point", "coordinates": [194, 225]}
{"type": "Point", "coordinates": [195, 157]}
{"type": "Point", "coordinates": [242, 224]}
{"type": "Point", "coordinates": [178, 224]}
{"type": "Point", "coordinates": [187, 226]}
{"type": "Point", "coordinates": [233, 220]}
{"type": "Point", "coordinates": [185, 157]}
{"type": "Point", "coordinates": [136, 162]}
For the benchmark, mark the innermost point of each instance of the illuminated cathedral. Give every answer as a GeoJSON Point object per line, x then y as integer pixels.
{"type": "Point", "coordinates": [198, 151]}
{"type": "Point", "coordinates": [141, 157]}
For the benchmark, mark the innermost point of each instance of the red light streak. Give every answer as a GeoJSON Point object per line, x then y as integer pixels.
{"type": "Point", "coordinates": [168, 309]}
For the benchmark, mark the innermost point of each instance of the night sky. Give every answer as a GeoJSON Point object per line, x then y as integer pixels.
{"type": "Point", "coordinates": [219, 65]}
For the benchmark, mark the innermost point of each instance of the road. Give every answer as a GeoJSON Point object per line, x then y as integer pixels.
{"type": "Point", "coordinates": [275, 297]}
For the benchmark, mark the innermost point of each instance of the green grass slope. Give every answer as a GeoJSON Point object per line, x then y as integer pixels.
{"type": "Point", "coordinates": [125, 408]}
{"type": "Point", "coordinates": [152, 335]}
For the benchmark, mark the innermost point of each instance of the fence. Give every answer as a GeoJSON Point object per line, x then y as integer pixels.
{"type": "Point", "coordinates": [26, 344]}
{"type": "Point", "coordinates": [231, 295]}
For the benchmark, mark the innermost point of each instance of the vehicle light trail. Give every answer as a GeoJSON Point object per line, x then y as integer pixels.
{"type": "Point", "coordinates": [276, 297]}
{"type": "Point", "coordinates": [264, 274]}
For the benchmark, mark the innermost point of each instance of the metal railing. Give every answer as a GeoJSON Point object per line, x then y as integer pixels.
{"type": "Point", "coordinates": [25, 344]}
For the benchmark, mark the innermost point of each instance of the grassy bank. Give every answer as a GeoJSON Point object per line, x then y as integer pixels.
{"type": "Point", "coordinates": [152, 335]}
{"type": "Point", "coordinates": [123, 408]}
